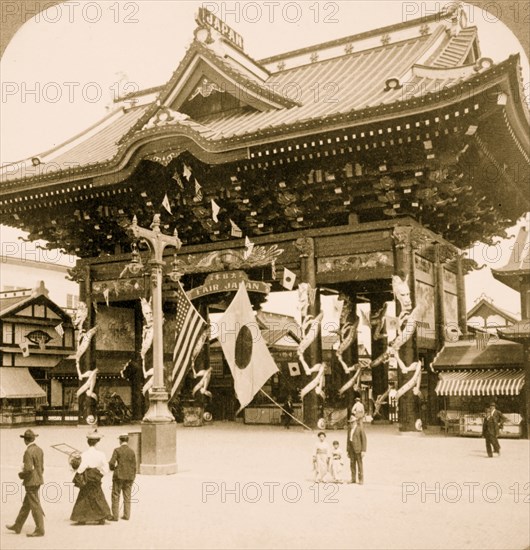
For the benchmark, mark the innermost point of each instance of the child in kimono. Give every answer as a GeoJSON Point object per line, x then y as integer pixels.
{"type": "Point", "coordinates": [336, 463]}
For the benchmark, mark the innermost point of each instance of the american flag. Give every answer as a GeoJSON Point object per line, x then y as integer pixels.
{"type": "Point", "coordinates": [190, 329]}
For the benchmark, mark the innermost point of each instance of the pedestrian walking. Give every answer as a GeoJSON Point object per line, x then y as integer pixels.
{"type": "Point", "coordinates": [32, 478]}
{"type": "Point", "coordinates": [321, 458]}
{"type": "Point", "coordinates": [336, 463]}
{"type": "Point", "coordinates": [490, 430]}
{"type": "Point", "coordinates": [123, 464]}
{"type": "Point", "coordinates": [288, 407]}
{"type": "Point", "coordinates": [91, 504]}
{"type": "Point", "coordinates": [356, 447]}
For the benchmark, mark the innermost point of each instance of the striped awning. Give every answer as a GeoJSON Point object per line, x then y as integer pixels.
{"type": "Point", "coordinates": [17, 383]}
{"type": "Point", "coordinates": [481, 382]}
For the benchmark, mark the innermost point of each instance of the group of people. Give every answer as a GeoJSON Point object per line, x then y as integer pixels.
{"type": "Point", "coordinates": [90, 467]}
{"type": "Point", "coordinates": [329, 462]}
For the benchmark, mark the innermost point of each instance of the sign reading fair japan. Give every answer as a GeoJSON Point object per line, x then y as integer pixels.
{"type": "Point", "coordinates": [227, 281]}
{"type": "Point", "coordinates": [206, 18]}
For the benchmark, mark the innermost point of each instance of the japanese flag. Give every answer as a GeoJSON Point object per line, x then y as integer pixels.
{"type": "Point", "coordinates": [289, 279]}
{"type": "Point", "coordinates": [244, 348]}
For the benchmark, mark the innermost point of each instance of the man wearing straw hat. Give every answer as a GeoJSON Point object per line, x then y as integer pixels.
{"type": "Point", "coordinates": [32, 476]}
{"type": "Point", "coordinates": [356, 447]}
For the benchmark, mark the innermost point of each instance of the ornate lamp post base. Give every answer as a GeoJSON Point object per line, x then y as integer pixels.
{"type": "Point", "coordinates": [159, 429]}
{"type": "Point", "coordinates": [159, 448]}
{"type": "Point", "coordinates": [158, 410]}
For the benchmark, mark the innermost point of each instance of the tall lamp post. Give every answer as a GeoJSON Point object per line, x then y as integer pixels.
{"type": "Point", "coordinates": [159, 437]}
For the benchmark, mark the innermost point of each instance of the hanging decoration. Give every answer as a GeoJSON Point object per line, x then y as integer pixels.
{"type": "Point", "coordinates": [84, 338]}
{"type": "Point", "coordinates": [406, 325]}
{"type": "Point", "coordinates": [147, 331]}
{"type": "Point", "coordinates": [83, 343]}
{"type": "Point", "coordinates": [205, 376]}
{"type": "Point", "coordinates": [317, 383]}
{"type": "Point", "coordinates": [90, 384]}
{"type": "Point", "coordinates": [166, 205]}
{"type": "Point", "coordinates": [59, 330]}
{"type": "Point", "coordinates": [347, 330]}
{"type": "Point", "coordinates": [355, 381]}
{"type": "Point", "coordinates": [78, 320]}
{"type": "Point", "coordinates": [310, 330]}
{"type": "Point", "coordinates": [310, 327]}
{"type": "Point", "coordinates": [147, 341]}
{"type": "Point", "coordinates": [24, 346]}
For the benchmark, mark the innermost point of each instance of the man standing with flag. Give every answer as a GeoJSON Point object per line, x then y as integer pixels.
{"type": "Point", "coordinates": [190, 335]}
{"type": "Point", "coordinates": [245, 350]}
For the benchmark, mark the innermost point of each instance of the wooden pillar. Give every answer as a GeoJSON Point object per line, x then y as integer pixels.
{"type": "Point", "coordinates": [526, 389]}
{"type": "Point", "coordinates": [86, 405]}
{"type": "Point", "coordinates": [461, 296]}
{"type": "Point", "coordinates": [379, 346]}
{"type": "Point", "coordinates": [306, 246]}
{"type": "Point", "coordinates": [404, 267]}
{"type": "Point", "coordinates": [351, 355]}
{"type": "Point", "coordinates": [525, 316]}
{"type": "Point", "coordinates": [439, 312]}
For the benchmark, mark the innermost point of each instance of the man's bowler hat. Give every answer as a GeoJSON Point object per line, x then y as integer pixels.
{"type": "Point", "coordinates": [29, 434]}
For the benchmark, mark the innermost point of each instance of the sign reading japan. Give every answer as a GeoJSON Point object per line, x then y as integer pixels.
{"type": "Point", "coordinates": [227, 281]}
{"type": "Point", "coordinates": [206, 18]}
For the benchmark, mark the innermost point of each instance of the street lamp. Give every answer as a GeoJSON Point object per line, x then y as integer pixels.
{"type": "Point", "coordinates": [159, 438]}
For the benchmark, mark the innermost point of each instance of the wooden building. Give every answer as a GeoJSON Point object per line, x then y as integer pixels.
{"type": "Point", "coordinates": [486, 316]}
{"type": "Point", "coordinates": [35, 335]}
{"type": "Point", "coordinates": [348, 162]}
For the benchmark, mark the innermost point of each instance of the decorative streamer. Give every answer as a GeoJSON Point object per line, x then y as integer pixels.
{"type": "Point", "coordinates": [310, 331]}
{"type": "Point", "coordinates": [148, 376]}
{"type": "Point", "coordinates": [84, 342]}
{"type": "Point", "coordinates": [147, 331]}
{"type": "Point", "coordinates": [202, 386]}
{"type": "Point", "coordinates": [89, 385]}
{"type": "Point", "coordinates": [166, 205]}
{"type": "Point", "coordinates": [316, 383]}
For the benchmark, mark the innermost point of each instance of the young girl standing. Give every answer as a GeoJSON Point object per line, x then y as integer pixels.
{"type": "Point", "coordinates": [336, 463]}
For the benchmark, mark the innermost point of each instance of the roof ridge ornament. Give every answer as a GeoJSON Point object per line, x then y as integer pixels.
{"type": "Point", "coordinates": [163, 116]}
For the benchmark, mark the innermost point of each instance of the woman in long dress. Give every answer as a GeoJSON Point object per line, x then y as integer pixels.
{"type": "Point", "coordinates": [91, 505]}
{"type": "Point", "coordinates": [321, 458]}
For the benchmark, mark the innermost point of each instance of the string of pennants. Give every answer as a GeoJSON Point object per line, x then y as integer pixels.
{"type": "Point", "coordinates": [288, 278]}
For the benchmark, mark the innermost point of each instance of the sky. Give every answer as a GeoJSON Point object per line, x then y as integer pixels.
{"type": "Point", "coordinates": [63, 68]}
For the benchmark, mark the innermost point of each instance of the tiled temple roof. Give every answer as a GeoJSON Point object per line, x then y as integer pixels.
{"type": "Point", "coordinates": [347, 88]}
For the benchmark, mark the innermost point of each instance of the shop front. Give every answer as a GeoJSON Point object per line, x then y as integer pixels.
{"type": "Point", "coordinates": [114, 392]}
{"type": "Point", "coordinates": [471, 377]}
{"type": "Point", "coordinates": [20, 396]}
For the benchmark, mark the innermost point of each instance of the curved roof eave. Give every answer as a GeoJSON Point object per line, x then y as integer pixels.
{"type": "Point", "coordinates": [237, 147]}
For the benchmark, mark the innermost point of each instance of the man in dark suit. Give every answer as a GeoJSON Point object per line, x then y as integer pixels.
{"type": "Point", "coordinates": [123, 462]}
{"type": "Point", "coordinates": [32, 476]}
{"type": "Point", "coordinates": [356, 447]}
{"type": "Point", "coordinates": [490, 430]}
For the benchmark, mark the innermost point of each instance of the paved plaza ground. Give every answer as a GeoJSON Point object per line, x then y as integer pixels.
{"type": "Point", "coordinates": [242, 486]}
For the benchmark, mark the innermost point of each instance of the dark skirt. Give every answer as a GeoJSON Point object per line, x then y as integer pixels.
{"type": "Point", "coordinates": [90, 504]}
